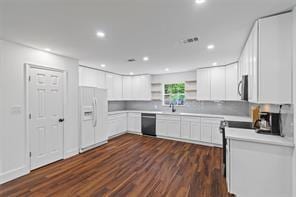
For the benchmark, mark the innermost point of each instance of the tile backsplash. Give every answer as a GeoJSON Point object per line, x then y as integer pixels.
{"type": "Point", "coordinates": [116, 106]}
{"type": "Point", "coordinates": [203, 107]}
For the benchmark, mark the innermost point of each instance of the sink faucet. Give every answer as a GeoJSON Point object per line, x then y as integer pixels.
{"type": "Point", "coordinates": [173, 107]}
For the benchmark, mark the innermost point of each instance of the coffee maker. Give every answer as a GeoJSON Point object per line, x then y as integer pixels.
{"type": "Point", "coordinates": [269, 123]}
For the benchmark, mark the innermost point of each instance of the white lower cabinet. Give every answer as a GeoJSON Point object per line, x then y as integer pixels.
{"type": "Point", "coordinates": [210, 131]}
{"type": "Point", "coordinates": [197, 129]}
{"type": "Point", "coordinates": [206, 132]}
{"type": "Point", "coordinates": [185, 129]}
{"type": "Point", "coordinates": [173, 128]}
{"type": "Point", "coordinates": [190, 128]}
{"type": "Point", "coordinates": [216, 134]}
{"type": "Point", "coordinates": [168, 126]}
{"type": "Point", "coordinates": [134, 122]}
{"type": "Point", "coordinates": [161, 127]}
{"type": "Point", "coordinates": [258, 169]}
{"type": "Point", "coordinates": [117, 124]}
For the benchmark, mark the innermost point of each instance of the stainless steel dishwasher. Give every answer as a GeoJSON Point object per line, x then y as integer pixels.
{"type": "Point", "coordinates": [149, 124]}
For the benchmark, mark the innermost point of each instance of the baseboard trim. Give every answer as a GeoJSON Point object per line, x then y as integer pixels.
{"type": "Point", "coordinates": [93, 146]}
{"type": "Point", "coordinates": [13, 174]}
{"type": "Point", "coordinates": [135, 132]}
{"type": "Point", "coordinates": [117, 135]}
{"type": "Point", "coordinates": [190, 141]}
{"type": "Point", "coordinates": [71, 153]}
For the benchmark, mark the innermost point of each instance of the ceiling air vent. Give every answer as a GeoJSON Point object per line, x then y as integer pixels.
{"type": "Point", "coordinates": [190, 40]}
{"type": "Point", "coordinates": [131, 60]}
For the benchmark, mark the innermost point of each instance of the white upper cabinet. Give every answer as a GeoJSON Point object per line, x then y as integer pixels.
{"type": "Point", "coordinates": [275, 59]}
{"type": "Point", "coordinates": [211, 83]}
{"type": "Point", "coordinates": [91, 77]}
{"type": "Point", "coordinates": [114, 86]}
{"type": "Point", "coordinates": [218, 83]}
{"type": "Point", "coordinates": [203, 84]}
{"type": "Point", "coordinates": [127, 87]}
{"type": "Point", "coordinates": [141, 87]}
{"type": "Point", "coordinates": [119, 87]}
{"type": "Point", "coordinates": [253, 64]}
{"type": "Point", "coordinates": [267, 60]}
{"type": "Point", "coordinates": [231, 77]}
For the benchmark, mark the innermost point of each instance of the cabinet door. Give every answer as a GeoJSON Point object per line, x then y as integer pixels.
{"type": "Point", "coordinates": [203, 84]}
{"type": "Point", "coordinates": [146, 87]}
{"type": "Point", "coordinates": [117, 87]}
{"type": "Point", "coordinates": [275, 62]}
{"type": "Point", "coordinates": [216, 135]}
{"type": "Point", "coordinates": [161, 127]}
{"type": "Point", "coordinates": [218, 83]}
{"type": "Point", "coordinates": [123, 123]}
{"type": "Point", "coordinates": [134, 122]}
{"type": "Point", "coordinates": [253, 67]}
{"type": "Point", "coordinates": [206, 132]}
{"type": "Point", "coordinates": [112, 127]}
{"type": "Point", "coordinates": [127, 87]}
{"type": "Point", "coordinates": [91, 78]}
{"type": "Point", "coordinates": [231, 82]}
{"type": "Point", "coordinates": [109, 84]}
{"type": "Point", "coordinates": [185, 129]}
{"type": "Point", "coordinates": [195, 131]}
{"type": "Point", "coordinates": [173, 128]}
{"type": "Point", "coordinates": [136, 86]}
{"type": "Point", "coordinates": [130, 123]}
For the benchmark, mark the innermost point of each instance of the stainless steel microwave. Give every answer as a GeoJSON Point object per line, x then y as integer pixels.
{"type": "Point", "coordinates": [243, 88]}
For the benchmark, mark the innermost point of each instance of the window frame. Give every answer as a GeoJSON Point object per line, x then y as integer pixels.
{"type": "Point", "coordinates": [164, 94]}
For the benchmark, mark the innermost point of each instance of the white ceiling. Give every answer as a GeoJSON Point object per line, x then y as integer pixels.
{"type": "Point", "coordinates": [137, 28]}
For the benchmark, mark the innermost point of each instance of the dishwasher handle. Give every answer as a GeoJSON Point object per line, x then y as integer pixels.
{"type": "Point", "coordinates": [151, 117]}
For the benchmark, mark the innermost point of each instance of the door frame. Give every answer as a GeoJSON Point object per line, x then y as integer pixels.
{"type": "Point", "coordinates": [27, 67]}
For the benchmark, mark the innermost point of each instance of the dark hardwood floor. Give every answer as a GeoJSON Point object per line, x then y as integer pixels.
{"type": "Point", "coordinates": [129, 165]}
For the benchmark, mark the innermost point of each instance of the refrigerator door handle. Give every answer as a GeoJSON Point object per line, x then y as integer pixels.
{"type": "Point", "coordinates": [95, 112]}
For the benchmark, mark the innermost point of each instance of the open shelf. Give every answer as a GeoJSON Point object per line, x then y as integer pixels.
{"type": "Point", "coordinates": [190, 81]}
{"type": "Point", "coordinates": [190, 90]}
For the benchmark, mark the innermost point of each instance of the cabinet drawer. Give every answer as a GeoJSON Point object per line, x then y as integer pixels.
{"type": "Point", "coordinates": [134, 114]}
{"type": "Point", "coordinates": [211, 120]}
{"type": "Point", "coordinates": [168, 117]}
{"type": "Point", "coordinates": [190, 119]}
{"type": "Point", "coordinates": [115, 116]}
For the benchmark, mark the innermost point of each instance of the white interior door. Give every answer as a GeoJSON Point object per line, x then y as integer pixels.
{"type": "Point", "coordinates": [46, 107]}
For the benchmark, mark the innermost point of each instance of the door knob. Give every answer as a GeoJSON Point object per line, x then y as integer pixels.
{"type": "Point", "coordinates": [61, 120]}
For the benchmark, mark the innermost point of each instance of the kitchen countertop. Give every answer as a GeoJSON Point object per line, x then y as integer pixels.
{"type": "Point", "coordinates": [250, 135]}
{"type": "Point", "coordinates": [225, 117]}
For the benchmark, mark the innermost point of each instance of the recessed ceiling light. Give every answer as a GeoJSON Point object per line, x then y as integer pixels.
{"type": "Point", "coordinates": [131, 73]}
{"type": "Point", "coordinates": [145, 59]}
{"type": "Point", "coordinates": [200, 1]}
{"type": "Point", "coordinates": [103, 65]}
{"type": "Point", "coordinates": [215, 64]}
{"type": "Point", "coordinates": [211, 46]}
{"type": "Point", "coordinates": [47, 49]}
{"type": "Point", "coordinates": [167, 69]}
{"type": "Point", "coordinates": [100, 34]}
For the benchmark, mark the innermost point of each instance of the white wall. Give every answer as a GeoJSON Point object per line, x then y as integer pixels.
{"type": "Point", "coordinates": [15, 157]}
{"type": "Point", "coordinates": [174, 77]}
{"type": "Point", "coordinates": [1, 110]}
{"type": "Point", "coordinates": [294, 98]}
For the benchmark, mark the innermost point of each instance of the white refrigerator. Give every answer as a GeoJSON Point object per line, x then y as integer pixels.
{"type": "Point", "coordinates": [93, 117]}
